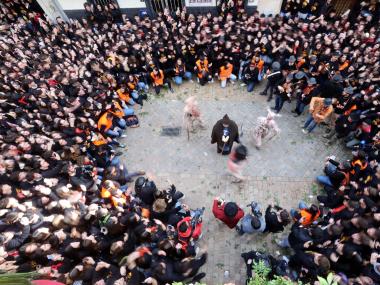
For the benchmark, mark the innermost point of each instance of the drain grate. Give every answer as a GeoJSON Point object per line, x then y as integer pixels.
{"type": "Point", "coordinates": [170, 131]}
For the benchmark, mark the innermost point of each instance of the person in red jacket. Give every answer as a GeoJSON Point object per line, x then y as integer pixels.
{"type": "Point", "coordinates": [229, 213]}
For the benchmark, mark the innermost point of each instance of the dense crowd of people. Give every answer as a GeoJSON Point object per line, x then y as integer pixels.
{"type": "Point", "coordinates": [68, 92]}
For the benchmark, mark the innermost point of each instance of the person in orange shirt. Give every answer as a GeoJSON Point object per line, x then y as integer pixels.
{"type": "Point", "coordinates": [320, 109]}
{"type": "Point", "coordinates": [159, 80]}
{"type": "Point", "coordinates": [225, 73]}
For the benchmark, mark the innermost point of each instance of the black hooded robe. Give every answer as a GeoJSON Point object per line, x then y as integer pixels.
{"type": "Point", "coordinates": [218, 131]}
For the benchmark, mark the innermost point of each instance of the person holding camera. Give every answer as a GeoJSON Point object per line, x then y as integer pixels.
{"type": "Point", "coordinates": [229, 213]}
{"type": "Point", "coordinates": [253, 222]}
{"type": "Point", "coordinates": [276, 219]}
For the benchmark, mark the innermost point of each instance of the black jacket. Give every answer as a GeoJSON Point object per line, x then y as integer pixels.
{"type": "Point", "coordinates": [273, 225]}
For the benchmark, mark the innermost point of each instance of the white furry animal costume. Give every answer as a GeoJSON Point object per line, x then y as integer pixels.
{"type": "Point", "coordinates": [192, 112]}
{"type": "Point", "coordinates": [266, 128]}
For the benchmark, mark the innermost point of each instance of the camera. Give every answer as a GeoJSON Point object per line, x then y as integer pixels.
{"type": "Point", "coordinates": [255, 208]}
{"type": "Point", "coordinates": [86, 171]}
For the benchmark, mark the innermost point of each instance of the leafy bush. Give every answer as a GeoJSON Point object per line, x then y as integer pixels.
{"type": "Point", "coordinates": [328, 281]}
{"type": "Point", "coordinates": [17, 278]}
{"type": "Point", "coordinates": [260, 277]}
{"type": "Point", "coordinates": [181, 283]}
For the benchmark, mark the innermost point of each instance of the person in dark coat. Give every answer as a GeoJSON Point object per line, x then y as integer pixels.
{"type": "Point", "coordinates": [276, 219]}
{"type": "Point", "coordinates": [224, 133]}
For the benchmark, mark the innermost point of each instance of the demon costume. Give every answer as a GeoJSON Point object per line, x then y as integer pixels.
{"type": "Point", "coordinates": [224, 133]}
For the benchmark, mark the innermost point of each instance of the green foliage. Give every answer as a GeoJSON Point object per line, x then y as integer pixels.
{"type": "Point", "coordinates": [17, 278]}
{"type": "Point", "coordinates": [181, 283]}
{"type": "Point", "coordinates": [260, 277]}
{"type": "Point", "coordinates": [260, 273]}
{"type": "Point", "coordinates": [328, 281]}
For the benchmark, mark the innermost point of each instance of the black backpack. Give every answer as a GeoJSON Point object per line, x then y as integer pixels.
{"type": "Point", "coordinates": [139, 184]}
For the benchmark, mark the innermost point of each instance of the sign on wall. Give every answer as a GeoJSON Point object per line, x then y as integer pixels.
{"type": "Point", "coordinates": [132, 3]}
{"type": "Point", "coordinates": [71, 4]}
{"type": "Point", "coordinates": [252, 2]}
{"type": "Point", "coordinates": [200, 3]}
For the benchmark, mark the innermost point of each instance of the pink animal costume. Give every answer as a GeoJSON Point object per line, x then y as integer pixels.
{"type": "Point", "coordinates": [266, 128]}
{"type": "Point", "coordinates": [192, 112]}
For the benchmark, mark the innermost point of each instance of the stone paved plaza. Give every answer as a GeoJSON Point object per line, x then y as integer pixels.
{"type": "Point", "coordinates": [282, 172]}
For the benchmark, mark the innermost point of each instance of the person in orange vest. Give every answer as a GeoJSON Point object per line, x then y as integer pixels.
{"type": "Point", "coordinates": [305, 215]}
{"type": "Point", "coordinates": [359, 166]}
{"type": "Point", "coordinates": [337, 174]}
{"type": "Point", "coordinates": [126, 96]}
{"type": "Point", "coordinates": [134, 83]}
{"type": "Point", "coordinates": [258, 63]}
{"type": "Point", "coordinates": [118, 104]}
{"type": "Point", "coordinates": [159, 80]}
{"type": "Point", "coordinates": [225, 73]}
{"type": "Point", "coordinates": [202, 69]}
{"type": "Point", "coordinates": [106, 127]}
{"type": "Point", "coordinates": [118, 116]}
{"type": "Point", "coordinates": [181, 72]}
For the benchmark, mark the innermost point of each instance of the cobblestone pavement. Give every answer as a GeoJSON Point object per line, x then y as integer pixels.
{"type": "Point", "coordinates": [282, 172]}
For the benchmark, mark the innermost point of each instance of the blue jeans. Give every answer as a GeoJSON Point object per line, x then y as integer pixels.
{"type": "Point", "coordinates": [284, 243]}
{"type": "Point", "coordinates": [123, 188]}
{"type": "Point", "coordinates": [300, 107]}
{"type": "Point", "coordinates": [324, 180]}
{"type": "Point", "coordinates": [131, 101]}
{"type": "Point", "coordinates": [178, 79]}
{"type": "Point", "coordinates": [142, 85]}
{"type": "Point", "coordinates": [121, 123]}
{"type": "Point", "coordinates": [128, 111]}
{"type": "Point", "coordinates": [302, 15]}
{"type": "Point", "coordinates": [310, 124]}
{"type": "Point", "coordinates": [352, 143]}
{"type": "Point", "coordinates": [301, 205]}
{"type": "Point", "coordinates": [279, 103]}
{"type": "Point", "coordinates": [250, 86]}
{"type": "Point", "coordinates": [113, 134]}
{"type": "Point", "coordinates": [128, 176]}
{"type": "Point", "coordinates": [330, 169]}
{"type": "Point", "coordinates": [115, 162]}
{"type": "Point", "coordinates": [134, 95]}
{"type": "Point", "coordinates": [242, 63]}
{"type": "Point", "coordinates": [260, 76]}
{"type": "Point", "coordinates": [223, 83]}
{"type": "Point", "coordinates": [267, 60]}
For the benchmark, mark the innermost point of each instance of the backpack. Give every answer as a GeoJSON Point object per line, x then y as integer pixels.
{"type": "Point", "coordinates": [132, 121]}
